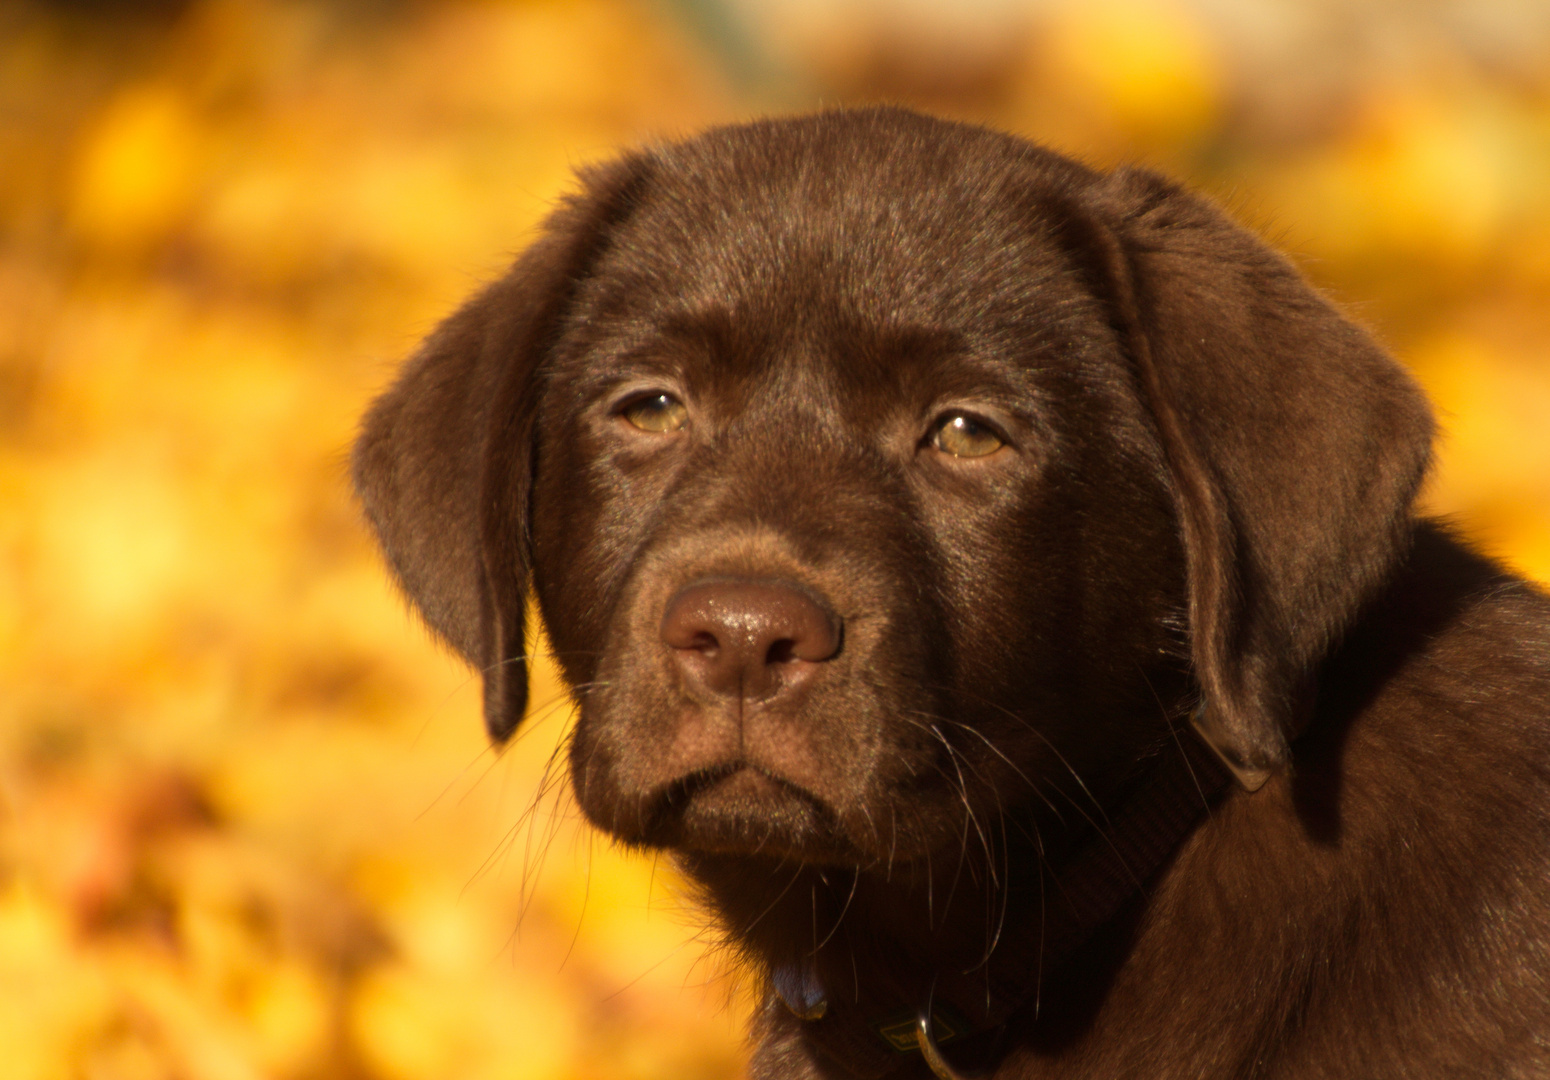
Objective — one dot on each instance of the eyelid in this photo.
(622, 397)
(644, 407)
(992, 420)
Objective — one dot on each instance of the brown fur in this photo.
(1204, 498)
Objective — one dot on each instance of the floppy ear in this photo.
(1295, 445)
(443, 460)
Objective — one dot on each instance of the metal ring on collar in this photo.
(929, 1050)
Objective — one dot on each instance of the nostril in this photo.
(690, 627)
(783, 651)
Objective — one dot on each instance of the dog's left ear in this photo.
(1295, 446)
(443, 460)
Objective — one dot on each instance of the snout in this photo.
(748, 640)
(753, 699)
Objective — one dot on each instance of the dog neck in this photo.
(873, 990)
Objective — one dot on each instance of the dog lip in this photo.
(751, 777)
(728, 807)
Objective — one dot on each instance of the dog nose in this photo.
(751, 639)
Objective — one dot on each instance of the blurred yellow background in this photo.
(249, 827)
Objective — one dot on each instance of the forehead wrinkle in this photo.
(806, 384)
(710, 232)
(799, 279)
(778, 228)
(792, 392)
(803, 251)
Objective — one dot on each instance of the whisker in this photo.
(586, 897)
(1034, 730)
(778, 897)
(955, 757)
(1173, 731)
(855, 881)
(1106, 829)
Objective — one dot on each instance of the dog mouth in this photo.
(740, 808)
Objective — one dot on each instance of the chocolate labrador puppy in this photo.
(997, 582)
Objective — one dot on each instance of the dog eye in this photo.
(962, 435)
(660, 413)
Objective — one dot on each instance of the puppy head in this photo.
(874, 472)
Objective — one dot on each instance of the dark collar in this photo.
(1150, 820)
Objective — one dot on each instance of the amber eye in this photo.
(961, 435)
(660, 413)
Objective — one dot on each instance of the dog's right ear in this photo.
(443, 460)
